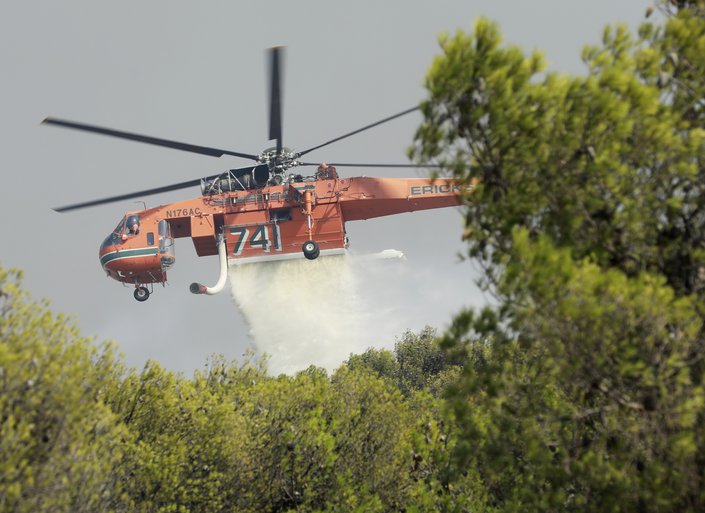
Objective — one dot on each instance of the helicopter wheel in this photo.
(311, 250)
(141, 294)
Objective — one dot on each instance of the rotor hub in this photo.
(279, 162)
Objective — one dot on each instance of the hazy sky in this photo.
(195, 72)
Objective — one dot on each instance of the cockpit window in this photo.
(133, 224)
(114, 237)
(121, 225)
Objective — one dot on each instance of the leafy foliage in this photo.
(584, 387)
(608, 164)
(417, 363)
(81, 432)
(59, 442)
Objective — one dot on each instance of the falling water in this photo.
(302, 312)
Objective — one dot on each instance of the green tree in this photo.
(586, 399)
(584, 387)
(315, 443)
(417, 363)
(608, 164)
(289, 443)
(189, 451)
(60, 445)
(373, 440)
(82, 432)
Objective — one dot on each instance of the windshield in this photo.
(114, 237)
(120, 226)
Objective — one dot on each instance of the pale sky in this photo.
(195, 72)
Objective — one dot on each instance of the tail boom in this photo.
(367, 198)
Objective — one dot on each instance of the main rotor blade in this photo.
(346, 164)
(147, 192)
(275, 113)
(407, 111)
(203, 150)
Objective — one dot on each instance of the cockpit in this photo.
(133, 254)
(127, 227)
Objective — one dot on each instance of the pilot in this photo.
(133, 225)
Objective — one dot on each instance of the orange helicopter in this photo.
(257, 213)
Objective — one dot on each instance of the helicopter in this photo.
(262, 212)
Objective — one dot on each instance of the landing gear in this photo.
(141, 294)
(311, 250)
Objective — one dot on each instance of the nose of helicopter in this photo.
(107, 248)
